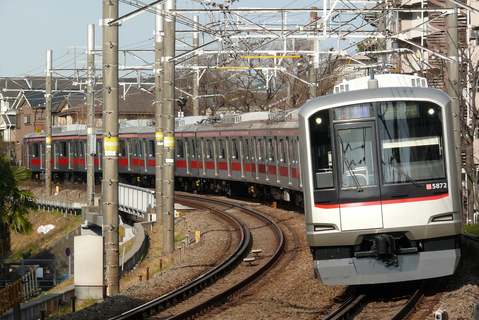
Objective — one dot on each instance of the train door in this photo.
(100, 153)
(129, 151)
(56, 152)
(203, 154)
(228, 156)
(42, 155)
(256, 156)
(215, 155)
(187, 153)
(71, 153)
(241, 154)
(358, 176)
(144, 151)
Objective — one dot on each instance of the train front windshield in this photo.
(409, 142)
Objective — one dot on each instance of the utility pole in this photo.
(48, 124)
(313, 69)
(90, 157)
(453, 81)
(110, 146)
(196, 92)
(159, 111)
(169, 133)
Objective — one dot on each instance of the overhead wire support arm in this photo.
(134, 13)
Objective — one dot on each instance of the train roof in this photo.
(383, 80)
(376, 95)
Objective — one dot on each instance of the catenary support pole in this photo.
(196, 81)
(91, 141)
(48, 124)
(169, 131)
(159, 21)
(453, 89)
(110, 146)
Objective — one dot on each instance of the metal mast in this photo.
(110, 145)
(196, 93)
(169, 126)
(90, 117)
(453, 79)
(159, 111)
(48, 124)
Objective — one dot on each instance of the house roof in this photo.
(132, 100)
(8, 121)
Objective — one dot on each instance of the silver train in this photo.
(382, 200)
(373, 168)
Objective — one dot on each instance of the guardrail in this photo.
(135, 200)
(131, 199)
(19, 291)
(63, 206)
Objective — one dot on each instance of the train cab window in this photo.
(356, 158)
(234, 144)
(180, 149)
(411, 141)
(321, 151)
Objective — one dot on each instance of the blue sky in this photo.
(31, 27)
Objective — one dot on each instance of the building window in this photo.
(26, 119)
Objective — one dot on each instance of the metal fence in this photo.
(49, 272)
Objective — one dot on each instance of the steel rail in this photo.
(182, 293)
(344, 310)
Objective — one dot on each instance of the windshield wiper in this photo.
(348, 165)
(404, 173)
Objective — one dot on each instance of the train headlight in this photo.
(431, 111)
(447, 217)
(323, 227)
(319, 120)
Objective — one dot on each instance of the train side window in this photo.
(222, 154)
(321, 151)
(63, 148)
(209, 148)
(36, 150)
(193, 148)
(141, 148)
(271, 150)
(259, 149)
(122, 150)
(282, 150)
(234, 144)
(151, 148)
(81, 148)
(246, 149)
(180, 149)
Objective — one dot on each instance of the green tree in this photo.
(15, 204)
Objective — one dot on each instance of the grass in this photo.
(26, 245)
(472, 229)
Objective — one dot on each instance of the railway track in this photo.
(208, 291)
